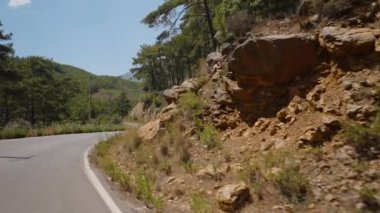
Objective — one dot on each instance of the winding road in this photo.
(51, 175)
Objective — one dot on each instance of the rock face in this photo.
(270, 60)
(213, 58)
(149, 130)
(152, 128)
(172, 95)
(142, 111)
(232, 196)
(345, 42)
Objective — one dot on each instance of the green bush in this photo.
(143, 188)
(368, 197)
(210, 136)
(292, 184)
(190, 102)
(253, 174)
(152, 99)
(365, 140)
(116, 174)
(13, 133)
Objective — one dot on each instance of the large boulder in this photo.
(173, 94)
(345, 42)
(150, 130)
(270, 60)
(214, 58)
(142, 111)
(231, 197)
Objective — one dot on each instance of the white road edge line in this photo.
(97, 185)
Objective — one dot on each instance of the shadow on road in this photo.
(16, 157)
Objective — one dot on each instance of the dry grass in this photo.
(278, 169)
(57, 129)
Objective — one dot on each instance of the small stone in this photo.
(358, 187)
(360, 206)
(311, 206)
(313, 136)
(282, 116)
(170, 179)
(352, 110)
(372, 174)
(347, 85)
(330, 121)
(274, 171)
(285, 208)
(343, 157)
(266, 146)
(207, 173)
(233, 196)
(329, 197)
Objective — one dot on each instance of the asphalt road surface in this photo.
(48, 175)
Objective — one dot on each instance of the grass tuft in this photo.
(143, 187)
(199, 204)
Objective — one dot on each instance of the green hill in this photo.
(102, 86)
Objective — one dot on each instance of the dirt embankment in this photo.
(283, 123)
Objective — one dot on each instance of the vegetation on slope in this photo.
(36, 93)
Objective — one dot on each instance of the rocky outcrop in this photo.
(173, 94)
(232, 196)
(150, 130)
(270, 60)
(142, 111)
(214, 58)
(346, 42)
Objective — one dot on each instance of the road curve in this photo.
(47, 175)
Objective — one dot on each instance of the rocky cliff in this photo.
(284, 106)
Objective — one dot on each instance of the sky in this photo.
(100, 36)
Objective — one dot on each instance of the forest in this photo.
(194, 28)
(37, 92)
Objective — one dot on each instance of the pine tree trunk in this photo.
(209, 22)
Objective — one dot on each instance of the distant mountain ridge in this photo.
(129, 76)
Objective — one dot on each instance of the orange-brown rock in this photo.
(150, 130)
(270, 60)
(232, 196)
(346, 42)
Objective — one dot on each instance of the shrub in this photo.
(134, 139)
(199, 204)
(18, 124)
(191, 103)
(152, 99)
(116, 174)
(292, 184)
(143, 188)
(252, 174)
(203, 79)
(315, 152)
(366, 141)
(368, 197)
(210, 136)
(189, 167)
